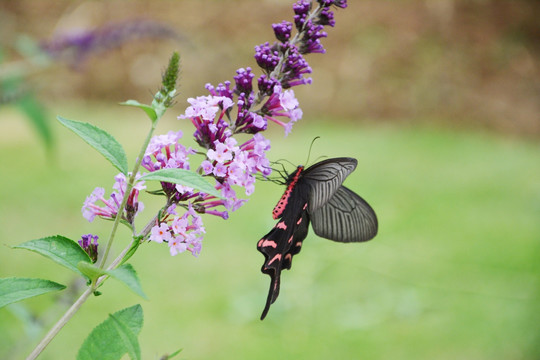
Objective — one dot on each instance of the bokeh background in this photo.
(438, 100)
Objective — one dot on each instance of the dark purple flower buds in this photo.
(267, 57)
(89, 243)
(266, 84)
(243, 80)
(283, 30)
(301, 10)
(339, 3)
(326, 18)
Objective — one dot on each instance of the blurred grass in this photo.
(453, 273)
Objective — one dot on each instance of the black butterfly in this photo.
(336, 213)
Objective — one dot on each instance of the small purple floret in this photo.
(89, 243)
(266, 56)
(283, 30)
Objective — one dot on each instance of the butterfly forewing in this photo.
(325, 178)
(346, 217)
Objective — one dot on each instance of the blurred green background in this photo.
(438, 101)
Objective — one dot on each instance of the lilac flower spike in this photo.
(74, 48)
(231, 110)
(283, 65)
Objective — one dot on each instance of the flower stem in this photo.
(86, 294)
(74, 308)
(129, 186)
(60, 324)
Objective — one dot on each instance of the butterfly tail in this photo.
(273, 293)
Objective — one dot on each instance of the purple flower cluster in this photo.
(237, 165)
(229, 111)
(166, 152)
(283, 66)
(227, 162)
(76, 47)
(181, 233)
(110, 206)
(283, 60)
(89, 243)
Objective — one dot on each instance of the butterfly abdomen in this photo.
(282, 203)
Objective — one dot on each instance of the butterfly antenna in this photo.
(279, 161)
(310, 146)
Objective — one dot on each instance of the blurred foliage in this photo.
(469, 63)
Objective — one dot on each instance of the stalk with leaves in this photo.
(232, 154)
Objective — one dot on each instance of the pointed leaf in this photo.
(167, 357)
(134, 246)
(90, 270)
(60, 249)
(105, 342)
(182, 177)
(100, 140)
(129, 339)
(126, 274)
(146, 108)
(16, 289)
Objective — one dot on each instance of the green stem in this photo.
(73, 309)
(86, 294)
(131, 181)
(60, 324)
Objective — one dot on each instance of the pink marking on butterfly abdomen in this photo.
(282, 203)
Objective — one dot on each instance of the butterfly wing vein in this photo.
(346, 217)
(325, 178)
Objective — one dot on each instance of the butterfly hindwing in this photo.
(346, 217)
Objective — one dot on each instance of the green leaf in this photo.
(100, 140)
(62, 250)
(105, 341)
(167, 357)
(149, 110)
(37, 115)
(134, 246)
(126, 274)
(16, 289)
(182, 177)
(90, 270)
(128, 338)
(159, 107)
